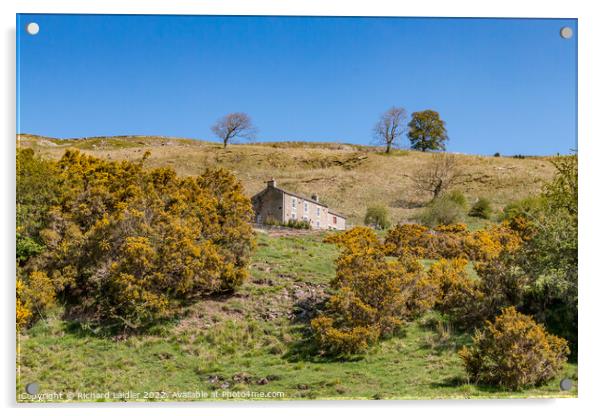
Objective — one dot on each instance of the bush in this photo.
(514, 352)
(34, 296)
(502, 284)
(298, 224)
(481, 209)
(377, 217)
(27, 247)
(373, 296)
(528, 208)
(22, 311)
(126, 246)
(448, 241)
(355, 340)
(442, 211)
(407, 240)
(459, 295)
(37, 192)
(272, 221)
(457, 197)
(451, 241)
(491, 242)
(496, 154)
(355, 239)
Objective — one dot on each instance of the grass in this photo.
(253, 341)
(348, 178)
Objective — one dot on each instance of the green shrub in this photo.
(272, 221)
(37, 192)
(481, 209)
(527, 207)
(291, 223)
(442, 211)
(298, 224)
(27, 247)
(457, 197)
(377, 217)
(514, 352)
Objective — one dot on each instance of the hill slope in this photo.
(255, 340)
(347, 177)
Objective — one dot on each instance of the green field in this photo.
(255, 341)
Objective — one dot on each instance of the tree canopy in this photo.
(427, 131)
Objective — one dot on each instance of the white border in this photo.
(590, 149)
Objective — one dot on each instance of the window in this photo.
(334, 219)
(294, 215)
(317, 224)
(294, 202)
(305, 206)
(305, 218)
(318, 211)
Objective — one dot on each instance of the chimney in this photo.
(272, 183)
(315, 197)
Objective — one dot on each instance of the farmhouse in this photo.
(276, 204)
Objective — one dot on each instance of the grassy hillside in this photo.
(253, 341)
(347, 177)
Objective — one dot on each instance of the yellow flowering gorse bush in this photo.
(125, 245)
(514, 352)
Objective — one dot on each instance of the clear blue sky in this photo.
(502, 85)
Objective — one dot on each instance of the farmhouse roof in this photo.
(338, 214)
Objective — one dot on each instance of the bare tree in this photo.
(390, 127)
(232, 126)
(438, 175)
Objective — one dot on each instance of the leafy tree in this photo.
(232, 126)
(377, 217)
(550, 255)
(390, 127)
(427, 131)
(562, 192)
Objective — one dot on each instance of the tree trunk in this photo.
(437, 189)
